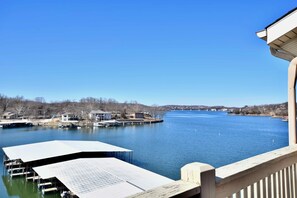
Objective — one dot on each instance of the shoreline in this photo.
(260, 115)
(55, 123)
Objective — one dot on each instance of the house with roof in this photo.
(69, 117)
(99, 115)
(9, 115)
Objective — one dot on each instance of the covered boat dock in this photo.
(101, 177)
(19, 160)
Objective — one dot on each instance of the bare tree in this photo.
(156, 111)
(20, 105)
(4, 103)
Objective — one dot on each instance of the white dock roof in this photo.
(102, 177)
(56, 148)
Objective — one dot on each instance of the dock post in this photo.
(4, 159)
(203, 174)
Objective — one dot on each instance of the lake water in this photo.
(184, 137)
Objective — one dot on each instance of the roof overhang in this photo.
(281, 36)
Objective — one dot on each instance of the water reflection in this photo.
(23, 189)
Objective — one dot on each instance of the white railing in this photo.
(269, 175)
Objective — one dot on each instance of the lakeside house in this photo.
(137, 115)
(9, 115)
(69, 117)
(99, 115)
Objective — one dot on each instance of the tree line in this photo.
(39, 108)
(271, 110)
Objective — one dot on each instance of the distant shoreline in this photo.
(12, 123)
(261, 115)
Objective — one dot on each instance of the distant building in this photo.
(139, 115)
(136, 116)
(99, 115)
(9, 115)
(68, 117)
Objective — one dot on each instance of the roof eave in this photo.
(262, 34)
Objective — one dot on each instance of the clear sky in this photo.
(154, 52)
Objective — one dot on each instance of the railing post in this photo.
(202, 174)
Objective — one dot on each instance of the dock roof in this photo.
(57, 148)
(101, 177)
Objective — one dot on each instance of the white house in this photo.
(99, 115)
(68, 117)
(9, 115)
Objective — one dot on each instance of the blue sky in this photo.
(154, 52)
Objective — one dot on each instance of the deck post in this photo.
(203, 174)
(292, 101)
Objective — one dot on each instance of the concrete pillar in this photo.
(201, 174)
(292, 101)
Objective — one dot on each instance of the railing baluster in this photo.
(274, 185)
(295, 180)
(238, 194)
(269, 186)
(245, 192)
(287, 176)
(291, 181)
(283, 186)
(279, 184)
(258, 189)
(252, 191)
(264, 187)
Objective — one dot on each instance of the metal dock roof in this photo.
(56, 148)
(101, 177)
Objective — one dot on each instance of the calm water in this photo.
(186, 136)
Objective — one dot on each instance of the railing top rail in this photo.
(245, 167)
(175, 189)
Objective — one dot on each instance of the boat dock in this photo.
(42, 153)
(101, 177)
(124, 122)
(15, 124)
(80, 169)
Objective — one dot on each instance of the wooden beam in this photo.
(292, 101)
(177, 189)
